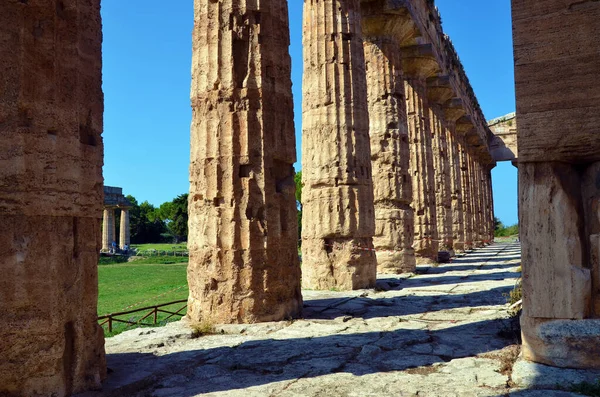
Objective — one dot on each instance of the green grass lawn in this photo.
(124, 284)
(160, 247)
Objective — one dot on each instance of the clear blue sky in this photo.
(147, 56)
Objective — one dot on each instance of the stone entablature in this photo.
(113, 197)
(504, 142)
(417, 28)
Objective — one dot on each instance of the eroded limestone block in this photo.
(591, 205)
(50, 341)
(244, 265)
(562, 343)
(556, 283)
(338, 213)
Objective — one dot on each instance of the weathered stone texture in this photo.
(243, 228)
(559, 178)
(338, 213)
(467, 194)
(458, 219)
(394, 217)
(108, 228)
(504, 145)
(559, 226)
(124, 231)
(50, 197)
(442, 179)
(556, 79)
(421, 169)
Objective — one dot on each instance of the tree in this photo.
(174, 214)
(145, 226)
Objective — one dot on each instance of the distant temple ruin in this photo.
(113, 200)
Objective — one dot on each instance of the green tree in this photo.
(175, 216)
(145, 226)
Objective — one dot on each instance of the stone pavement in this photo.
(442, 332)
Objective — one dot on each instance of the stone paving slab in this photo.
(444, 331)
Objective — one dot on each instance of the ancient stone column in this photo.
(560, 228)
(491, 222)
(458, 221)
(338, 214)
(394, 217)
(108, 228)
(421, 169)
(558, 108)
(467, 194)
(475, 200)
(488, 214)
(480, 202)
(442, 178)
(124, 236)
(51, 149)
(244, 264)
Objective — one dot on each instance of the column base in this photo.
(562, 343)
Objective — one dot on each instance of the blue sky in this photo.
(147, 60)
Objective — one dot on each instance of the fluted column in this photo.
(467, 193)
(491, 223)
(108, 228)
(474, 199)
(244, 263)
(478, 202)
(442, 178)
(421, 169)
(51, 150)
(124, 236)
(458, 219)
(338, 214)
(394, 217)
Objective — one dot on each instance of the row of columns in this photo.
(108, 228)
(389, 178)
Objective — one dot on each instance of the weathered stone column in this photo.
(421, 169)
(491, 222)
(338, 214)
(477, 202)
(442, 177)
(243, 234)
(394, 217)
(467, 193)
(50, 197)
(108, 228)
(560, 229)
(558, 108)
(458, 220)
(489, 207)
(474, 198)
(124, 236)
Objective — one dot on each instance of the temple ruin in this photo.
(396, 164)
(113, 201)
